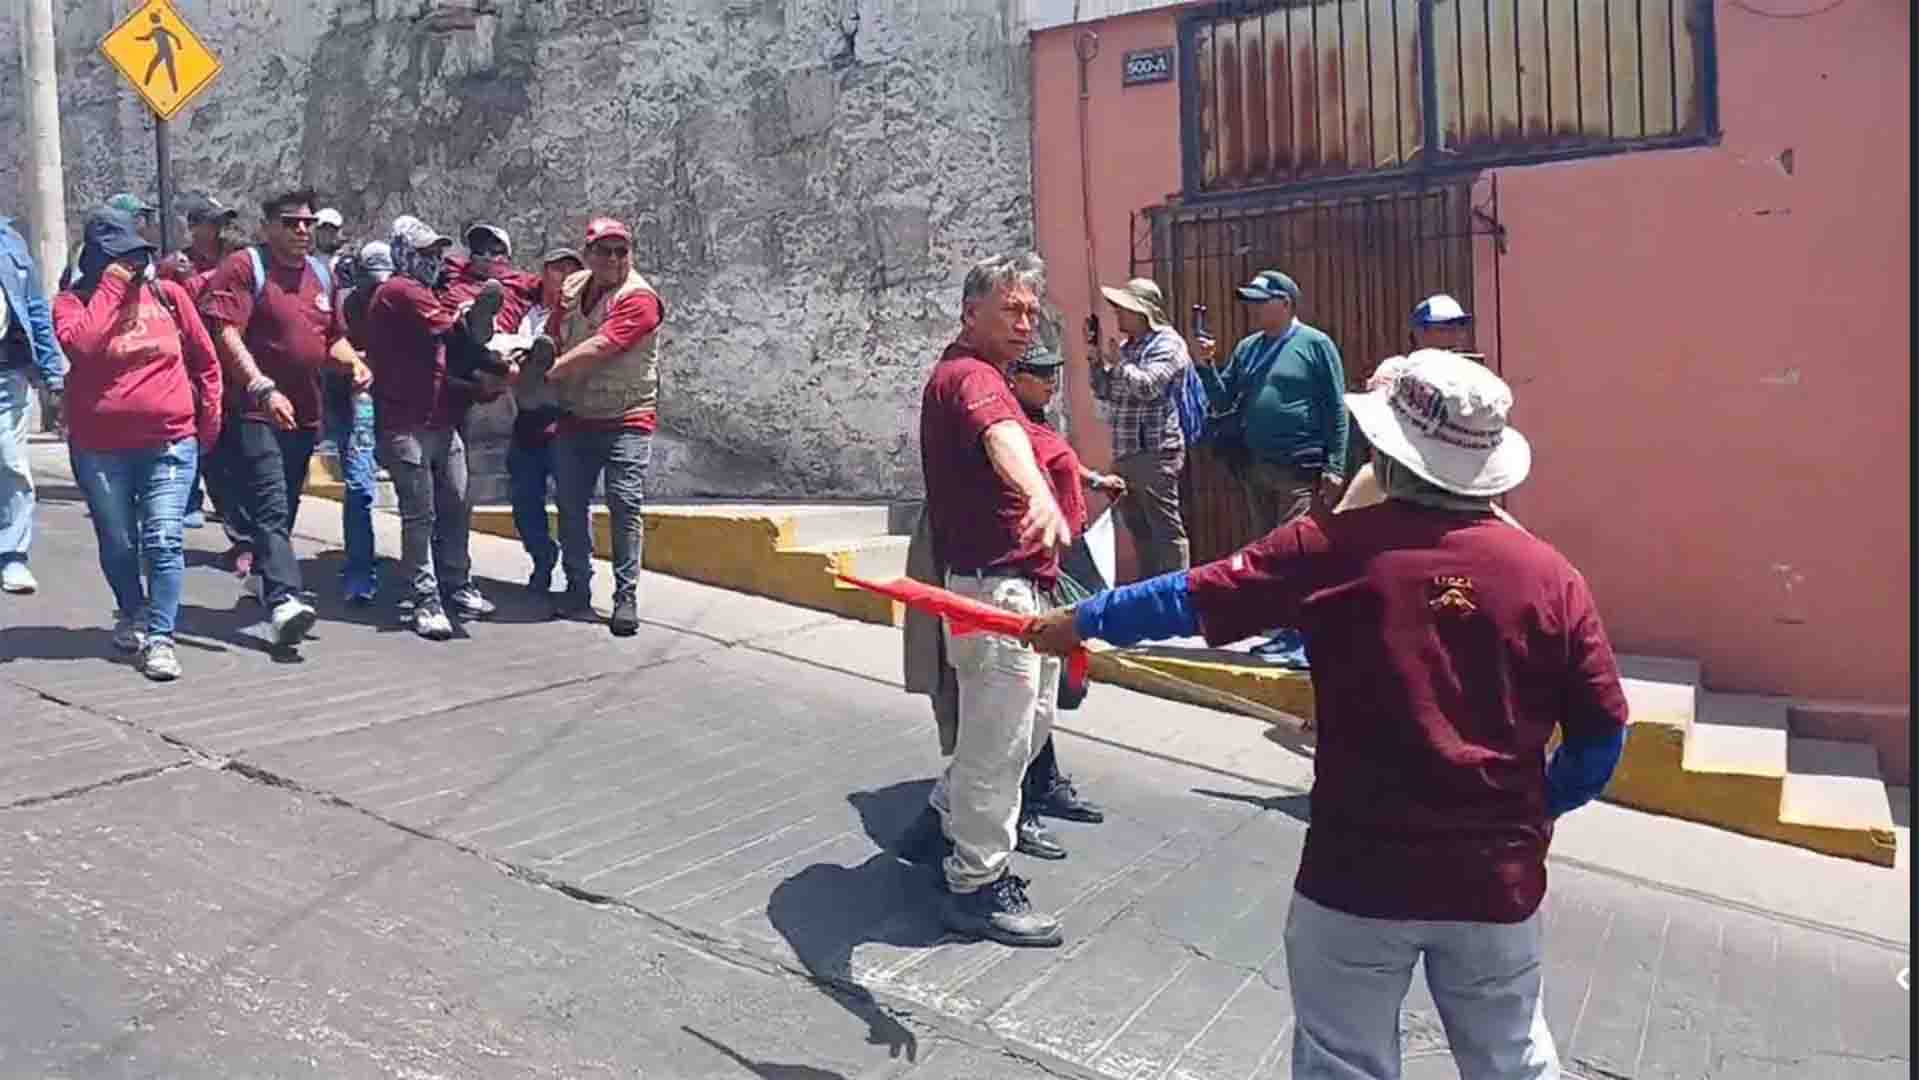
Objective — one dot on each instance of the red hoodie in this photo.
(143, 372)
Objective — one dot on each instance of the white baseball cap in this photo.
(1440, 309)
(329, 216)
(1444, 417)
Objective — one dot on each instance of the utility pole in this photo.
(46, 191)
(46, 183)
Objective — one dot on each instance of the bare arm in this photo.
(1011, 453)
(236, 360)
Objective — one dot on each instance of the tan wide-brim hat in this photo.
(1444, 417)
(1140, 296)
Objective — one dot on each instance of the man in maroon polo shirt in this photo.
(996, 527)
(409, 323)
(1447, 645)
(271, 311)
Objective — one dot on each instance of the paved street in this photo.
(541, 851)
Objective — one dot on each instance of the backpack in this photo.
(314, 262)
(1190, 405)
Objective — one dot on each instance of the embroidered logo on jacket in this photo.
(1451, 596)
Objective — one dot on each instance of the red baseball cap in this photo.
(602, 227)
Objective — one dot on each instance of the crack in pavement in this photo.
(712, 945)
(75, 792)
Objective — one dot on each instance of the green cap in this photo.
(131, 204)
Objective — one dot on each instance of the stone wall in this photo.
(807, 179)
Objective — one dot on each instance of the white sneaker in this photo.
(130, 632)
(430, 621)
(158, 661)
(292, 618)
(16, 578)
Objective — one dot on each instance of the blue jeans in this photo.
(350, 427)
(16, 481)
(137, 498)
(578, 461)
(528, 469)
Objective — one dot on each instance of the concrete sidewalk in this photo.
(538, 850)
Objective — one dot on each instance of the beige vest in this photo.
(621, 385)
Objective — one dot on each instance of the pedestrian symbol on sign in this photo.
(163, 43)
(164, 61)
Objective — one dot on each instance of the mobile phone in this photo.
(1093, 330)
(1200, 321)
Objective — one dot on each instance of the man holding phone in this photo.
(1282, 393)
(274, 326)
(1137, 377)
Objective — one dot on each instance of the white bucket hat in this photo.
(1445, 418)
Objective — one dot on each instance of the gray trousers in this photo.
(429, 470)
(1277, 494)
(1151, 509)
(1349, 976)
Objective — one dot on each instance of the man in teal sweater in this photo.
(1286, 385)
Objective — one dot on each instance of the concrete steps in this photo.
(1733, 760)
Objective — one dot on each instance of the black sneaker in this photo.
(1035, 840)
(1062, 800)
(626, 618)
(540, 356)
(573, 604)
(1000, 912)
(480, 315)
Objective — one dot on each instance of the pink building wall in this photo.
(1710, 348)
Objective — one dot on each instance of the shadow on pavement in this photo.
(827, 911)
(766, 1070)
(1294, 806)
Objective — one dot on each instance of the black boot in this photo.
(1000, 912)
(1036, 840)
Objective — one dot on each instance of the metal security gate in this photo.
(1362, 262)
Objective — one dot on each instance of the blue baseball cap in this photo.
(1270, 285)
(1440, 310)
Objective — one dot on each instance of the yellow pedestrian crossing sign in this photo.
(161, 56)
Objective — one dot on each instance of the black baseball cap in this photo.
(1039, 360)
(205, 208)
(115, 233)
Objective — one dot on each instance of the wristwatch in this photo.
(261, 389)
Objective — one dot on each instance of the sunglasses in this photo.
(1049, 374)
(607, 251)
(297, 221)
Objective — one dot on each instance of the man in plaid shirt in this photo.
(1136, 379)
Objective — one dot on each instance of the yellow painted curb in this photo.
(739, 551)
(747, 552)
(1289, 692)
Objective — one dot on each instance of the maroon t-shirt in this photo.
(975, 512)
(288, 329)
(1445, 648)
(404, 322)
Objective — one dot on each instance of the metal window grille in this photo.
(1296, 92)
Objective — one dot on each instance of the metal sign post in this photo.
(163, 166)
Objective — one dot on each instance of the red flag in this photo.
(963, 615)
